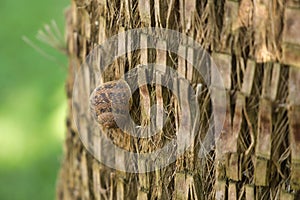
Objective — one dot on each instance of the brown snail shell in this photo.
(109, 103)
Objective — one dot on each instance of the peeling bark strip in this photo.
(187, 9)
(255, 45)
(291, 37)
(145, 14)
(228, 33)
(294, 123)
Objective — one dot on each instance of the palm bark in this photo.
(256, 45)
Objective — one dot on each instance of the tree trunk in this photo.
(256, 48)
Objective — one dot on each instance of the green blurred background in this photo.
(33, 103)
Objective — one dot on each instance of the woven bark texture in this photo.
(256, 46)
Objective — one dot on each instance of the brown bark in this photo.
(256, 46)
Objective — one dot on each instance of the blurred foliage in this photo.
(33, 103)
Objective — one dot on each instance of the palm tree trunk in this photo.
(256, 47)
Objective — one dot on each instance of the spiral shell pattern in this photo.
(109, 103)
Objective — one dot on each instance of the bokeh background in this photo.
(32, 101)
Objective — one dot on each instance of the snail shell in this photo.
(109, 103)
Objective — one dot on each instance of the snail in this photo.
(109, 103)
